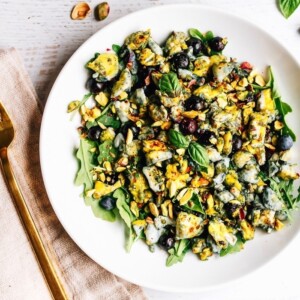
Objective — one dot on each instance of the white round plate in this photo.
(104, 241)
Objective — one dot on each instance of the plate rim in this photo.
(41, 143)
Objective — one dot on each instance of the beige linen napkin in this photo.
(20, 277)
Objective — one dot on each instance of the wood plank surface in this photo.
(46, 37)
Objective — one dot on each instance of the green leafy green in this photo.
(195, 204)
(169, 84)
(177, 253)
(123, 207)
(283, 188)
(100, 212)
(282, 107)
(198, 154)
(178, 139)
(209, 35)
(116, 48)
(238, 246)
(86, 160)
(107, 152)
(195, 33)
(109, 121)
(127, 216)
(287, 7)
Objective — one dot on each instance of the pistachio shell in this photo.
(80, 11)
(102, 11)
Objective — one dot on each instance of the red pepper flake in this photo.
(242, 214)
(246, 66)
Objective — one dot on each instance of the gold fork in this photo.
(6, 137)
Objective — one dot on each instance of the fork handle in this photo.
(54, 284)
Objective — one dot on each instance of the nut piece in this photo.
(102, 11)
(80, 11)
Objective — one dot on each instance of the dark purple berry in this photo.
(94, 86)
(166, 241)
(236, 143)
(194, 103)
(130, 125)
(94, 133)
(108, 203)
(188, 126)
(217, 44)
(284, 142)
(196, 44)
(180, 60)
(205, 137)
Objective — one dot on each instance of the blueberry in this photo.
(205, 136)
(236, 142)
(180, 60)
(284, 142)
(130, 125)
(94, 133)
(217, 44)
(188, 126)
(194, 103)
(167, 241)
(108, 202)
(196, 44)
(94, 86)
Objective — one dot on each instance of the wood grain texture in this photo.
(46, 37)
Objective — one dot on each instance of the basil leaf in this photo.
(107, 152)
(177, 139)
(177, 253)
(116, 48)
(209, 35)
(195, 33)
(198, 154)
(287, 7)
(195, 204)
(85, 158)
(169, 84)
(238, 246)
(109, 121)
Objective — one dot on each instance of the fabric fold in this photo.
(20, 277)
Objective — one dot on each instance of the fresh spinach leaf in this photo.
(238, 246)
(198, 154)
(195, 204)
(177, 139)
(116, 48)
(177, 253)
(109, 121)
(169, 84)
(85, 158)
(195, 33)
(287, 7)
(107, 152)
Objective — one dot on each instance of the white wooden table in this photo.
(46, 37)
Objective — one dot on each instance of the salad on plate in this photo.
(189, 147)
